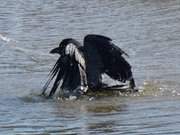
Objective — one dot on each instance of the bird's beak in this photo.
(55, 50)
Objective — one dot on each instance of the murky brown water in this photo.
(148, 30)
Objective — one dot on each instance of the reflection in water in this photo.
(106, 111)
(87, 115)
(102, 127)
(101, 109)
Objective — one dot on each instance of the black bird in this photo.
(80, 68)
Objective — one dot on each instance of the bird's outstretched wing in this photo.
(69, 69)
(58, 72)
(108, 57)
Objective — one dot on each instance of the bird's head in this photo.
(60, 49)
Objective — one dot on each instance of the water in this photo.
(148, 30)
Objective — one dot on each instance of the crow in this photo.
(80, 67)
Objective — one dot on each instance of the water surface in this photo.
(148, 30)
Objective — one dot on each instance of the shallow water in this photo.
(148, 30)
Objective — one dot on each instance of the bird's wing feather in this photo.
(94, 64)
(54, 71)
(72, 55)
(114, 64)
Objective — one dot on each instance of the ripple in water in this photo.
(147, 30)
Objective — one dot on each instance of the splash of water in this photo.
(33, 55)
(6, 39)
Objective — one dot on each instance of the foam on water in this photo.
(4, 38)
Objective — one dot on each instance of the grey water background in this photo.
(148, 30)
